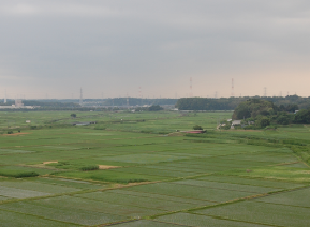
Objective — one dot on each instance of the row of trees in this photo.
(289, 103)
(207, 104)
(151, 108)
(132, 102)
(254, 107)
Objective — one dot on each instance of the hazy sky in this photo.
(110, 48)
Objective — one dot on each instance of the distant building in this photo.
(19, 104)
(235, 123)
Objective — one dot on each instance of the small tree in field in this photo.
(73, 115)
(197, 127)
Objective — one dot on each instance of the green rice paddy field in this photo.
(136, 169)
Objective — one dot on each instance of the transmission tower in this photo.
(81, 97)
(232, 88)
(128, 101)
(140, 95)
(191, 88)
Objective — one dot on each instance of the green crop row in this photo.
(17, 174)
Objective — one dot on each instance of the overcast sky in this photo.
(110, 48)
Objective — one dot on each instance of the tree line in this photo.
(265, 113)
(287, 103)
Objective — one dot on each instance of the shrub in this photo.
(63, 164)
(305, 156)
(127, 181)
(284, 119)
(136, 180)
(18, 174)
(163, 132)
(155, 108)
(146, 131)
(197, 127)
(250, 127)
(271, 127)
(226, 127)
(85, 168)
(262, 122)
(26, 174)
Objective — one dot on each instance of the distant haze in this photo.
(51, 48)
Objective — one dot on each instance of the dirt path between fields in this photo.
(16, 134)
(108, 167)
(45, 163)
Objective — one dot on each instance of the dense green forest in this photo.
(265, 113)
(289, 102)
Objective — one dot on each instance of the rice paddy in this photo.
(137, 169)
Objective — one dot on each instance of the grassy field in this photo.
(136, 169)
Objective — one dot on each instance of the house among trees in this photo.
(235, 123)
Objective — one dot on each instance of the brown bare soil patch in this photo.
(175, 134)
(17, 134)
(142, 183)
(45, 163)
(108, 167)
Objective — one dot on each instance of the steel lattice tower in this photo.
(81, 97)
